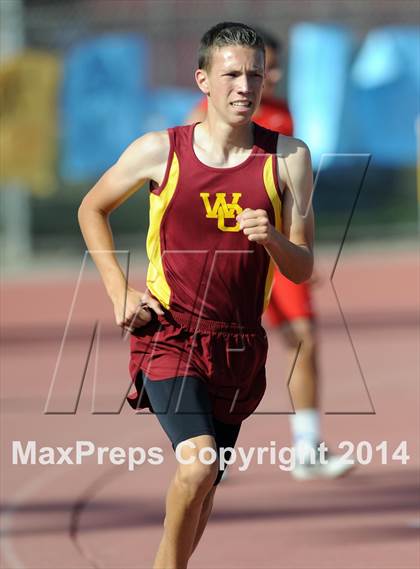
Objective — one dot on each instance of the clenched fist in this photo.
(134, 309)
(255, 225)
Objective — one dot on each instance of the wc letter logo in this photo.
(221, 210)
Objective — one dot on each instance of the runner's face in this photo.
(235, 82)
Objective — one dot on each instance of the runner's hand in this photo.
(255, 225)
(137, 306)
(148, 301)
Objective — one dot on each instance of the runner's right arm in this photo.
(145, 159)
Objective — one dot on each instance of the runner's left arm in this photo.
(292, 248)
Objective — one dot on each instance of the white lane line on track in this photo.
(79, 506)
(17, 501)
(6, 522)
(83, 501)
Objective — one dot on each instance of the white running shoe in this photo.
(333, 467)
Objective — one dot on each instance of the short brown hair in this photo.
(227, 33)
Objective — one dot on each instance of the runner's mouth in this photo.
(241, 104)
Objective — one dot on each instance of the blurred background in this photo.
(81, 79)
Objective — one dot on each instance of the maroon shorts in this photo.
(229, 357)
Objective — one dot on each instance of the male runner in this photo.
(223, 210)
(290, 308)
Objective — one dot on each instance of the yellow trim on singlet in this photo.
(156, 280)
(270, 188)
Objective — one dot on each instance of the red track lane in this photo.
(90, 515)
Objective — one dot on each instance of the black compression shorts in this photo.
(183, 408)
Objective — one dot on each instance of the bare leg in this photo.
(204, 516)
(184, 505)
(304, 390)
(304, 383)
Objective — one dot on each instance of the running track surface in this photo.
(90, 515)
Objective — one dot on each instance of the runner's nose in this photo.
(243, 87)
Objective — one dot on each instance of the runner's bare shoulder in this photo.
(146, 157)
(289, 146)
